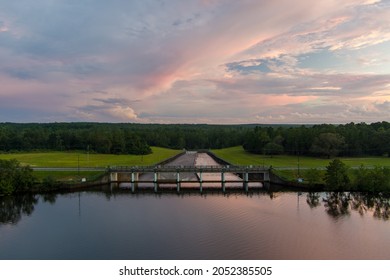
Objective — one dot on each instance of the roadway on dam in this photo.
(190, 179)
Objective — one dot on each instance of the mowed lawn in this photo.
(237, 155)
(82, 159)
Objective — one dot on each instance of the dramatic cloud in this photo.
(273, 61)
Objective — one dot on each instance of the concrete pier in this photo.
(178, 181)
(200, 181)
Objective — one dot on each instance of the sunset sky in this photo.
(195, 61)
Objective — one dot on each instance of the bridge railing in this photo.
(183, 168)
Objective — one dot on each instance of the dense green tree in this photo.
(372, 179)
(14, 178)
(381, 140)
(328, 144)
(361, 178)
(336, 175)
(272, 148)
(24, 179)
(380, 179)
(312, 176)
(257, 140)
(353, 141)
(118, 142)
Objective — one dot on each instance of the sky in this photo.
(195, 61)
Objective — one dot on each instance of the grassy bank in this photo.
(287, 166)
(67, 176)
(237, 155)
(82, 159)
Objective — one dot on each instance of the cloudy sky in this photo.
(195, 61)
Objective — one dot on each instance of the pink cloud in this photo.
(172, 58)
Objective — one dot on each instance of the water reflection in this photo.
(381, 206)
(49, 197)
(313, 200)
(12, 208)
(116, 224)
(338, 204)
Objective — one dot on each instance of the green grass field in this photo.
(237, 155)
(67, 176)
(287, 166)
(82, 159)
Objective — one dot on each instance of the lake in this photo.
(116, 224)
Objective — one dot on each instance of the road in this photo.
(71, 169)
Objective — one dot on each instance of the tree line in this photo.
(324, 140)
(339, 177)
(321, 140)
(112, 138)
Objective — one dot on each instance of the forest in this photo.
(325, 140)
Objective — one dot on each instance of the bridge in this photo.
(164, 176)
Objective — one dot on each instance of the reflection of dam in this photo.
(190, 170)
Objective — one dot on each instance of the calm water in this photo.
(105, 225)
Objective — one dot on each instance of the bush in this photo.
(14, 178)
(49, 183)
(313, 176)
(336, 176)
(372, 180)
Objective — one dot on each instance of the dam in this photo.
(190, 170)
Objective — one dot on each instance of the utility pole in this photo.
(88, 154)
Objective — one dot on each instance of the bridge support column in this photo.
(201, 181)
(223, 181)
(113, 180)
(246, 181)
(178, 181)
(155, 181)
(266, 176)
(134, 178)
(113, 177)
(132, 182)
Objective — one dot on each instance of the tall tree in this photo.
(328, 144)
(14, 178)
(336, 176)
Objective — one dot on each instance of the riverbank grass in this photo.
(293, 167)
(84, 159)
(237, 155)
(67, 176)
